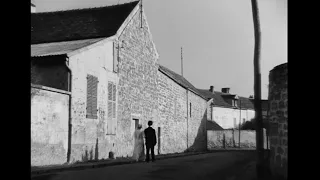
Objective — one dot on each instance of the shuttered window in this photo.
(112, 112)
(92, 100)
(115, 56)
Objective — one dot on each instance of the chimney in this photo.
(225, 90)
(33, 6)
(211, 89)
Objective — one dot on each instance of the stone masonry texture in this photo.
(49, 127)
(278, 99)
(137, 88)
(218, 139)
(173, 115)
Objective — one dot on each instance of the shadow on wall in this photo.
(88, 156)
(200, 142)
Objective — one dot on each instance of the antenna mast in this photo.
(181, 62)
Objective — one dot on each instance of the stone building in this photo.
(98, 76)
(226, 109)
(278, 115)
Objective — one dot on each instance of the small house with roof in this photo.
(230, 110)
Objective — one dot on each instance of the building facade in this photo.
(229, 110)
(113, 81)
(98, 76)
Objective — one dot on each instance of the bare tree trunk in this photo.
(257, 89)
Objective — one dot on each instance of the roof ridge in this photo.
(86, 9)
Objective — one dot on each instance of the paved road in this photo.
(219, 165)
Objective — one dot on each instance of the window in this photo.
(111, 123)
(92, 100)
(115, 56)
(190, 109)
(234, 103)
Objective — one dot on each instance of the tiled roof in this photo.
(59, 48)
(212, 125)
(219, 99)
(180, 80)
(78, 24)
(246, 103)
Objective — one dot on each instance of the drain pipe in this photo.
(70, 119)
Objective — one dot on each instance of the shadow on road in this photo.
(44, 177)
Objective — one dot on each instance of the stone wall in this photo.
(218, 139)
(49, 127)
(173, 115)
(278, 116)
(138, 90)
(197, 119)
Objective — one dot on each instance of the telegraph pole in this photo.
(239, 121)
(257, 89)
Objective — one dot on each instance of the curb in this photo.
(121, 162)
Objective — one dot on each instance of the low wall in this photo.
(220, 139)
(49, 127)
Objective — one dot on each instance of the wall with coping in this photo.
(49, 127)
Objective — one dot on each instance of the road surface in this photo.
(214, 166)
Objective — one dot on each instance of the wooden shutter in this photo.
(109, 100)
(92, 99)
(115, 56)
(89, 96)
(110, 108)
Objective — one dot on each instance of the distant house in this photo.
(230, 110)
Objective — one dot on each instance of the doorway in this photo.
(136, 123)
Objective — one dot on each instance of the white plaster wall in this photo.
(97, 61)
(49, 127)
(225, 116)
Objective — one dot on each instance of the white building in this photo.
(229, 110)
(33, 6)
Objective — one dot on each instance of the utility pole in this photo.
(257, 89)
(181, 63)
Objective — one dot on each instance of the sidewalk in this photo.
(113, 162)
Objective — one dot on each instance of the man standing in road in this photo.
(151, 141)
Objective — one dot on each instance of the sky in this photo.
(217, 37)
